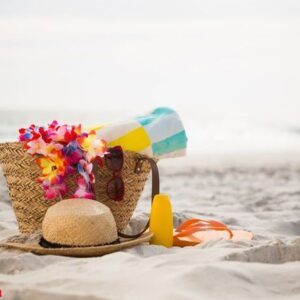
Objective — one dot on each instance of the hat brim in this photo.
(79, 251)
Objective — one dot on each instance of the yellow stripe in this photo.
(96, 128)
(135, 140)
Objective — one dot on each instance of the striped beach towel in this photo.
(157, 134)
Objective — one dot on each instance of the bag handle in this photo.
(155, 191)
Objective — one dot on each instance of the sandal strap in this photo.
(183, 243)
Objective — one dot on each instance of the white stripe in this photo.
(164, 127)
(114, 131)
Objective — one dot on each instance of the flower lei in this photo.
(64, 150)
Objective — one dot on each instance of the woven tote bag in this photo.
(21, 171)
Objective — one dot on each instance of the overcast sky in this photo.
(137, 54)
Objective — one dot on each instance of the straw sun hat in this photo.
(75, 227)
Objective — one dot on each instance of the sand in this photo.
(261, 195)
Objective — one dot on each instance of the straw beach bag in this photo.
(21, 171)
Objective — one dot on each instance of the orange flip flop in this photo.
(195, 231)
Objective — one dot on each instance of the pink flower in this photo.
(85, 169)
(82, 191)
(65, 133)
(39, 146)
(54, 191)
(25, 135)
(62, 150)
(36, 146)
(73, 152)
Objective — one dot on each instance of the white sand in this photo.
(262, 195)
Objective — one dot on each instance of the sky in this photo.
(230, 68)
(206, 57)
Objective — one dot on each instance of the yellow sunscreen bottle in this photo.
(161, 221)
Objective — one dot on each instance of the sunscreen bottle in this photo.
(161, 221)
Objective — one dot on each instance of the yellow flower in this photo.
(92, 146)
(52, 168)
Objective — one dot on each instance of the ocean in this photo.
(208, 132)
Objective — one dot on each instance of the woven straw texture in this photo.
(21, 171)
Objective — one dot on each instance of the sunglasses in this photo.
(114, 160)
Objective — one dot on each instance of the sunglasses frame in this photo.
(114, 173)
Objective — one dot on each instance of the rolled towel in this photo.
(159, 134)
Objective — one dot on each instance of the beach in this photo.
(230, 69)
(258, 193)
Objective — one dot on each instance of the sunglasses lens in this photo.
(114, 159)
(115, 188)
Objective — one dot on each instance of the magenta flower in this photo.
(63, 150)
(54, 191)
(82, 190)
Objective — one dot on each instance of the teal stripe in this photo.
(170, 144)
(147, 119)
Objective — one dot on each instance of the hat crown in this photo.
(79, 222)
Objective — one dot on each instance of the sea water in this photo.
(208, 132)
